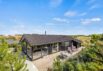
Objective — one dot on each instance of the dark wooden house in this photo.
(36, 46)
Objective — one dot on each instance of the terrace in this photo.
(47, 61)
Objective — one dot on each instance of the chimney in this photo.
(45, 32)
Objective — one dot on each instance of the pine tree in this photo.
(10, 61)
(57, 65)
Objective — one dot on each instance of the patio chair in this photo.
(74, 48)
(63, 55)
(69, 50)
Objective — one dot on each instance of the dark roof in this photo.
(35, 39)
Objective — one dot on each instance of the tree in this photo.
(95, 38)
(10, 61)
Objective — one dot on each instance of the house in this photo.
(36, 46)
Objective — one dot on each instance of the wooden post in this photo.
(41, 52)
(65, 46)
(26, 47)
(71, 44)
(22, 48)
(57, 46)
(31, 53)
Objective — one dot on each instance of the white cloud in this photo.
(18, 28)
(90, 1)
(94, 6)
(70, 13)
(83, 14)
(90, 21)
(55, 3)
(96, 19)
(25, 29)
(21, 27)
(58, 21)
(50, 24)
(74, 13)
(61, 20)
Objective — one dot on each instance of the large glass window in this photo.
(44, 50)
(37, 52)
(66, 44)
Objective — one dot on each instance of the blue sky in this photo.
(66, 17)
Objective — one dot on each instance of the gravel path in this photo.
(30, 66)
(43, 63)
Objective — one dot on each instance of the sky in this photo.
(66, 17)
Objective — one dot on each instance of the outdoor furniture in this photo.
(69, 50)
(74, 48)
(63, 55)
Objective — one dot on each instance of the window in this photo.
(66, 43)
